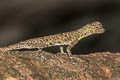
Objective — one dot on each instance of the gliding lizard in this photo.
(68, 38)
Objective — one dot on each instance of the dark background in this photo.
(26, 19)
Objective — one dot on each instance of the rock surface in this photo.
(33, 65)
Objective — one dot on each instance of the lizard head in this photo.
(95, 27)
(89, 29)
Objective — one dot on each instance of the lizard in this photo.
(70, 39)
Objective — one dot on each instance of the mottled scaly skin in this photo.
(68, 38)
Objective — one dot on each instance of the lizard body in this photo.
(68, 38)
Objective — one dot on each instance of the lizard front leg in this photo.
(70, 46)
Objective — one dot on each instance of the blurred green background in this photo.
(25, 19)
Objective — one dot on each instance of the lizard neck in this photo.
(81, 33)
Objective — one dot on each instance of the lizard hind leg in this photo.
(61, 49)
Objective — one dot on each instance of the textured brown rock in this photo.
(33, 65)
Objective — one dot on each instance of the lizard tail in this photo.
(9, 48)
(4, 49)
